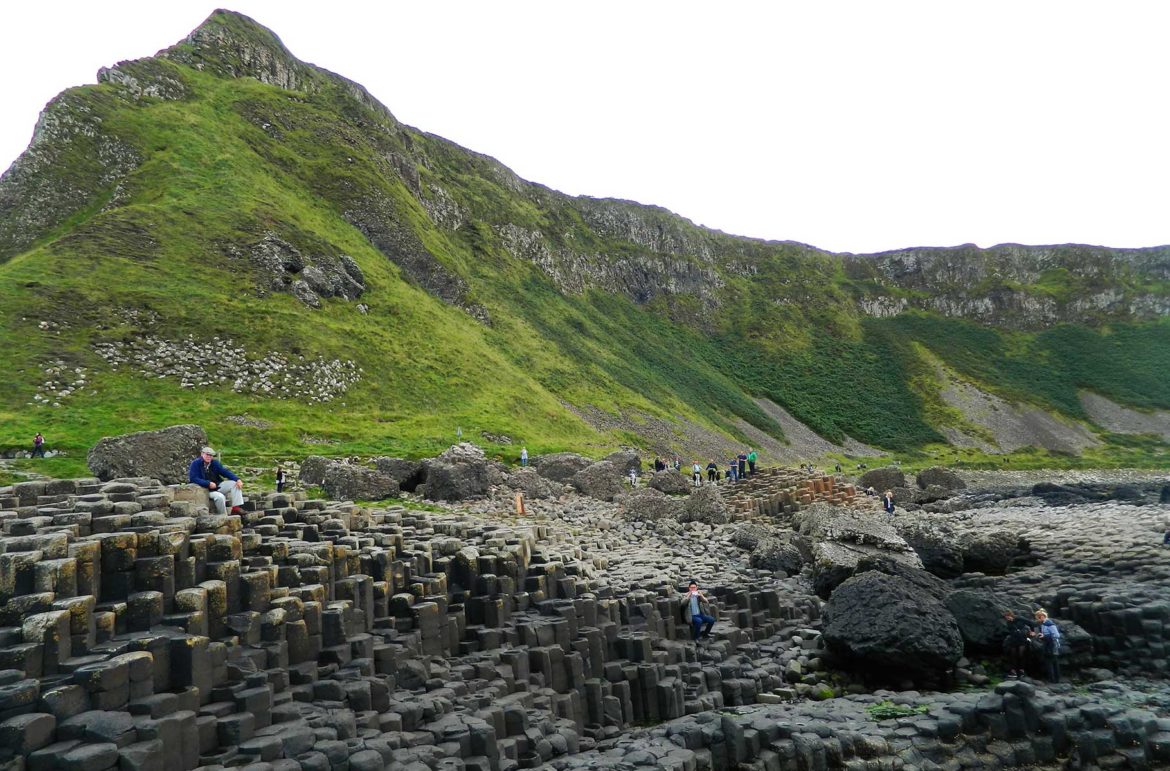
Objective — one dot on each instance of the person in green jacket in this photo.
(752, 462)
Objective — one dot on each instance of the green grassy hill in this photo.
(226, 236)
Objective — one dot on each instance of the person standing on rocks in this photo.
(732, 471)
(218, 480)
(697, 611)
(523, 456)
(279, 479)
(888, 502)
(696, 474)
(1015, 642)
(712, 471)
(742, 458)
(1049, 633)
(752, 457)
(38, 445)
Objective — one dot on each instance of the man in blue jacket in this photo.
(210, 474)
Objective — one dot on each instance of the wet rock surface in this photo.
(137, 630)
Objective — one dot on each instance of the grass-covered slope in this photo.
(161, 238)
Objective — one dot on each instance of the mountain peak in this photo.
(234, 45)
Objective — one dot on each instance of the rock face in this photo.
(936, 544)
(309, 278)
(992, 552)
(882, 479)
(163, 455)
(560, 466)
(346, 482)
(778, 554)
(884, 625)
(670, 482)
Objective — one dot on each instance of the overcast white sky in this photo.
(853, 126)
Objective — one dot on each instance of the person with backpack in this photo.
(696, 474)
(1015, 642)
(1049, 635)
(712, 472)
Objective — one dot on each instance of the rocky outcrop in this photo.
(313, 470)
(409, 474)
(310, 278)
(601, 480)
(937, 476)
(164, 455)
(670, 482)
(888, 627)
(979, 614)
(935, 543)
(993, 552)
(705, 505)
(533, 485)
(840, 538)
(645, 504)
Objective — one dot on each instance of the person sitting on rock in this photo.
(888, 502)
(697, 611)
(1015, 642)
(220, 482)
(1049, 633)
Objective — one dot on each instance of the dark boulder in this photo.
(778, 554)
(601, 480)
(648, 505)
(840, 537)
(533, 485)
(625, 461)
(979, 614)
(937, 476)
(705, 505)
(560, 466)
(345, 482)
(164, 454)
(882, 479)
(313, 469)
(888, 627)
(922, 580)
(670, 482)
(460, 481)
(408, 473)
(992, 552)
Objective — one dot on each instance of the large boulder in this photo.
(533, 485)
(921, 579)
(670, 482)
(779, 554)
(625, 461)
(408, 473)
(164, 454)
(993, 551)
(345, 482)
(601, 480)
(882, 479)
(705, 505)
(461, 481)
(979, 614)
(841, 537)
(935, 543)
(560, 466)
(645, 504)
(313, 470)
(937, 476)
(888, 627)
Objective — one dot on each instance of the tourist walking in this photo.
(279, 479)
(38, 446)
(219, 481)
(1015, 642)
(697, 611)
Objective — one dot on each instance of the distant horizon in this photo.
(851, 129)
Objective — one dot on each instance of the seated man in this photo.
(209, 473)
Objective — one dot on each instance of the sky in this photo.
(852, 126)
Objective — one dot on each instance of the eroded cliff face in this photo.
(1016, 286)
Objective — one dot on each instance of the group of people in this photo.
(739, 467)
(1040, 639)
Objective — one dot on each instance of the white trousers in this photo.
(232, 488)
